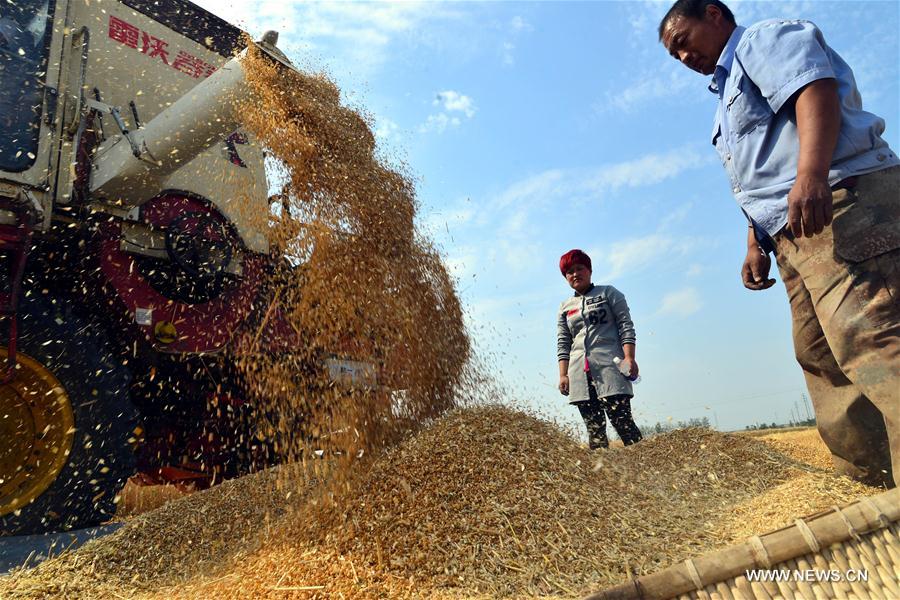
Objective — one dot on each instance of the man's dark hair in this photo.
(694, 9)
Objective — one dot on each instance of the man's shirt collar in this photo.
(723, 65)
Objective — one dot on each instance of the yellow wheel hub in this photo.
(37, 428)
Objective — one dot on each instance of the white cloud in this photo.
(649, 88)
(513, 251)
(516, 216)
(747, 12)
(515, 225)
(385, 129)
(646, 170)
(640, 23)
(681, 303)
(355, 35)
(645, 16)
(695, 270)
(870, 69)
(535, 187)
(439, 123)
(455, 102)
(678, 215)
(629, 256)
(593, 183)
(463, 261)
(439, 222)
(519, 24)
(508, 53)
(455, 105)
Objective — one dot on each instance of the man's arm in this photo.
(818, 111)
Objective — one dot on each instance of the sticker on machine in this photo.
(143, 316)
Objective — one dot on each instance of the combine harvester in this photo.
(133, 227)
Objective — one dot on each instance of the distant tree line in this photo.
(792, 423)
(669, 425)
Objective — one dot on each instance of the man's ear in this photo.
(713, 13)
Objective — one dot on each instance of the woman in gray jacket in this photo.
(594, 327)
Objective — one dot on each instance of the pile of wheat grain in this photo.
(196, 534)
(804, 445)
(485, 502)
(494, 502)
(804, 493)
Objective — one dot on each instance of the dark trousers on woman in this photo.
(619, 410)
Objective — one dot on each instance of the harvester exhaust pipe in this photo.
(127, 166)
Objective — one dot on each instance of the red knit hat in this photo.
(573, 257)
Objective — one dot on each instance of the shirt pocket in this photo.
(574, 321)
(745, 108)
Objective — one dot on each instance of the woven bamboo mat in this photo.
(849, 552)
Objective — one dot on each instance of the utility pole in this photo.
(806, 405)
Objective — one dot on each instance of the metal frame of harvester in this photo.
(133, 219)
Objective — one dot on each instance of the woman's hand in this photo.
(632, 366)
(564, 385)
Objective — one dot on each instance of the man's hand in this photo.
(564, 385)
(755, 272)
(809, 206)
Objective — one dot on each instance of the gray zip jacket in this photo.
(595, 324)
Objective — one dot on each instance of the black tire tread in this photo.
(79, 354)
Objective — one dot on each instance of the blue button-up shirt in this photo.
(755, 130)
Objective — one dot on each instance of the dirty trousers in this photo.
(844, 290)
(618, 408)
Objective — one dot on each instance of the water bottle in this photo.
(624, 370)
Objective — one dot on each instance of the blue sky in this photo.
(533, 128)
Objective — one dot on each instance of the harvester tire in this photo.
(96, 382)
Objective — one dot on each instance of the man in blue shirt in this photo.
(821, 189)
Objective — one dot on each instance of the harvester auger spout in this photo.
(199, 120)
